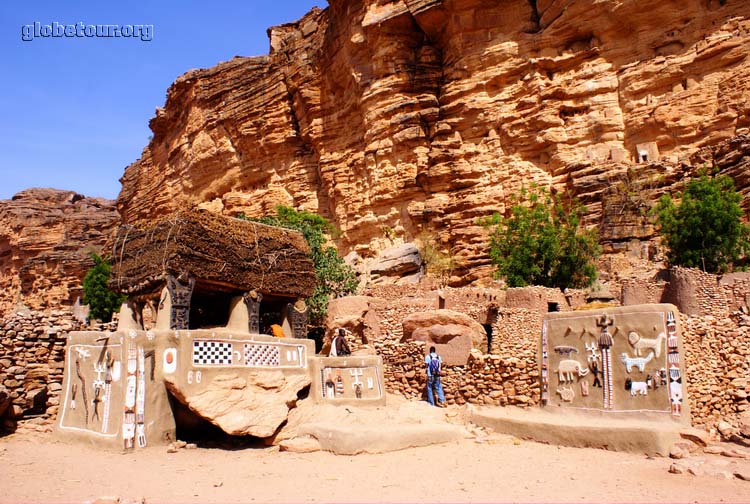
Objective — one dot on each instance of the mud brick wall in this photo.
(641, 291)
(692, 291)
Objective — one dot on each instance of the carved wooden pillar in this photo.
(180, 292)
(252, 301)
(297, 314)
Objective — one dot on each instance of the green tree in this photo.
(704, 230)
(335, 277)
(96, 293)
(540, 242)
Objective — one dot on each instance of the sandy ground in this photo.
(35, 467)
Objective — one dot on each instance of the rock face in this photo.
(46, 236)
(255, 407)
(392, 117)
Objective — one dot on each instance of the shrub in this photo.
(96, 293)
(704, 230)
(334, 277)
(438, 264)
(540, 243)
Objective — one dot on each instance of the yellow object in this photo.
(277, 331)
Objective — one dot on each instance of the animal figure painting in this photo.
(639, 362)
(639, 344)
(567, 367)
(636, 348)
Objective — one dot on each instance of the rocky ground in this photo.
(482, 468)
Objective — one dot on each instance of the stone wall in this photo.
(32, 355)
(693, 291)
(506, 376)
(717, 353)
(717, 349)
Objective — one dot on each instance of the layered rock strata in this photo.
(391, 117)
(46, 236)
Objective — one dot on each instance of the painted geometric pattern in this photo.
(217, 353)
(261, 355)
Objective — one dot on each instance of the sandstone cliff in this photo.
(395, 116)
(46, 236)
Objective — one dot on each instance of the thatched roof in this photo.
(218, 251)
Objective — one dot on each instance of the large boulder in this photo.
(453, 334)
(397, 261)
(355, 314)
(256, 405)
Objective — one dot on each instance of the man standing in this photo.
(434, 365)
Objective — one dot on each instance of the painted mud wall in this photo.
(113, 392)
(620, 360)
(348, 380)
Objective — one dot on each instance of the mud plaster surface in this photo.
(497, 470)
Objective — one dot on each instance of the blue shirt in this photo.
(429, 357)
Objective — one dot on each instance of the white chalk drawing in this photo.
(567, 394)
(100, 368)
(116, 371)
(83, 354)
(169, 361)
(370, 383)
(140, 412)
(356, 384)
(639, 344)
(605, 343)
(130, 392)
(128, 430)
(593, 352)
(128, 424)
(675, 397)
(567, 367)
(636, 387)
(639, 362)
(198, 376)
(584, 388)
(190, 377)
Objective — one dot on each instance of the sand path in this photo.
(38, 468)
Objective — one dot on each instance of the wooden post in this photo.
(298, 318)
(252, 301)
(180, 293)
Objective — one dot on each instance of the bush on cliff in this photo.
(335, 277)
(96, 293)
(540, 242)
(704, 230)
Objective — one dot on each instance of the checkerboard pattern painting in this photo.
(261, 355)
(212, 353)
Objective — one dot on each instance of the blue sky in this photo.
(75, 111)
